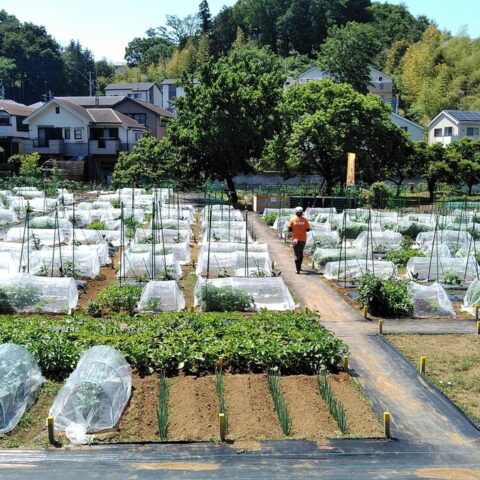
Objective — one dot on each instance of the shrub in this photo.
(120, 297)
(97, 225)
(401, 257)
(377, 196)
(270, 218)
(29, 165)
(93, 309)
(352, 230)
(225, 299)
(388, 298)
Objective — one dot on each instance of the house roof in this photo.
(108, 115)
(135, 87)
(103, 101)
(396, 115)
(464, 116)
(14, 108)
(80, 111)
(154, 108)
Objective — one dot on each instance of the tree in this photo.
(104, 73)
(78, 65)
(465, 155)
(205, 17)
(347, 54)
(145, 51)
(223, 122)
(179, 30)
(149, 163)
(321, 122)
(29, 165)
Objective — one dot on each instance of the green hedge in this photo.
(294, 342)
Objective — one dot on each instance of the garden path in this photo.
(420, 414)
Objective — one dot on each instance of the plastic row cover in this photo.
(379, 241)
(161, 297)
(25, 293)
(454, 239)
(42, 236)
(228, 247)
(235, 264)
(317, 239)
(430, 301)
(443, 270)
(96, 393)
(165, 235)
(354, 269)
(322, 256)
(141, 265)
(472, 297)
(20, 381)
(182, 251)
(269, 293)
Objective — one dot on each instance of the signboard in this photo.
(351, 170)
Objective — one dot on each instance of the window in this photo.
(472, 132)
(437, 132)
(141, 118)
(172, 92)
(447, 131)
(130, 95)
(77, 133)
(4, 120)
(380, 79)
(137, 95)
(57, 110)
(138, 136)
(21, 127)
(66, 133)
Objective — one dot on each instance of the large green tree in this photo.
(323, 121)
(151, 49)
(348, 52)
(465, 155)
(223, 122)
(79, 67)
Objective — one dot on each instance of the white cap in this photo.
(298, 210)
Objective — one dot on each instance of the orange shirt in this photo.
(299, 226)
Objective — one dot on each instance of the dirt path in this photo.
(419, 413)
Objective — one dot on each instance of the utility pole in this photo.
(90, 83)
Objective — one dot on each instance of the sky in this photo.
(106, 26)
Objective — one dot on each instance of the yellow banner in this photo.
(351, 170)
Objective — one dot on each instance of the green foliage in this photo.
(335, 407)
(281, 407)
(352, 230)
(378, 195)
(29, 166)
(270, 218)
(451, 278)
(389, 298)
(295, 342)
(18, 297)
(120, 297)
(401, 257)
(97, 225)
(220, 389)
(225, 299)
(162, 409)
(93, 309)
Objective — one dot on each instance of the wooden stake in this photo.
(365, 312)
(422, 364)
(51, 430)
(380, 327)
(386, 424)
(478, 328)
(345, 363)
(221, 419)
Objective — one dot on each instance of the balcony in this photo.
(44, 147)
(104, 147)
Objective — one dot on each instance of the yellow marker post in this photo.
(422, 364)
(386, 424)
(380, 327)
(221, 419)
(51, 430)
(345, 363)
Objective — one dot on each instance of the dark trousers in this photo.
(298, 254)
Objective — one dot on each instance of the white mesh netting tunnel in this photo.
(96, 392)
(430, 301)
(161, 297)
(20, 381)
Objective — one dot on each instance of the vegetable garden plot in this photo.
(88, 237)
(436, 250)
(43, 204)
(430, 301)
(379, 241)
(25, 293)
(472, 297)
(234, 264)
(228, 215)
(354, 269)
(322, 256)
(229, 247)
(65, 263)
(81, 218)
(312, 212)
(454, 271)
(182, 250)
(454, 239)
(161, 297)
(96, 393)
(142, 266)
(235, 232)
(40, 236)
(322, 240)
(468, 248)
(166, 235)
(20, 381)
(352, 230)
(112, 236)
(269, 293)
(412, 229)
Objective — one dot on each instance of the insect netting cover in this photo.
(430, 301)
(472, 297)
(228, 215)
(146, 235)
(161, 297)
(227, 232)
(227, 247)
(454, 271)
(182, 250)
(81, 218)
(101, 250)
(42, 204)
(9, 262)
(142, 266)
(322, 256)
(312, 212)
(412, 229)
(322, 240)
(96, 392)
(379, 241)
(454, 239)
(284, 212)
(48, 222)
(7, 217)
(270, 293)
(20, 381)
(436, 250)
(354, 269)
(468, 248)
(37, 235)
(87, 237)
(232, 264)
(94, 205)
(112, 236)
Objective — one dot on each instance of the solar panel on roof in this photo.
(465, 116)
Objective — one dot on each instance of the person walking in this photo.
(298, 226)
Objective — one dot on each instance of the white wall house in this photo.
(63, 129)
(451, 125)
(171, 90)
(147, 91)
(413, 129)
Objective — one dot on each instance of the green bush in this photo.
(97, 225)
(401, 257)
(352, 230)
(388, 298)
(120, 297)
(377, 196)
(270, 218)
(225, 299)
(294, 342)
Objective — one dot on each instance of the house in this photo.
(381, 84)
(153, 117)
(413, 129)
(451, 125)
(145, 91)
(12, 128)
